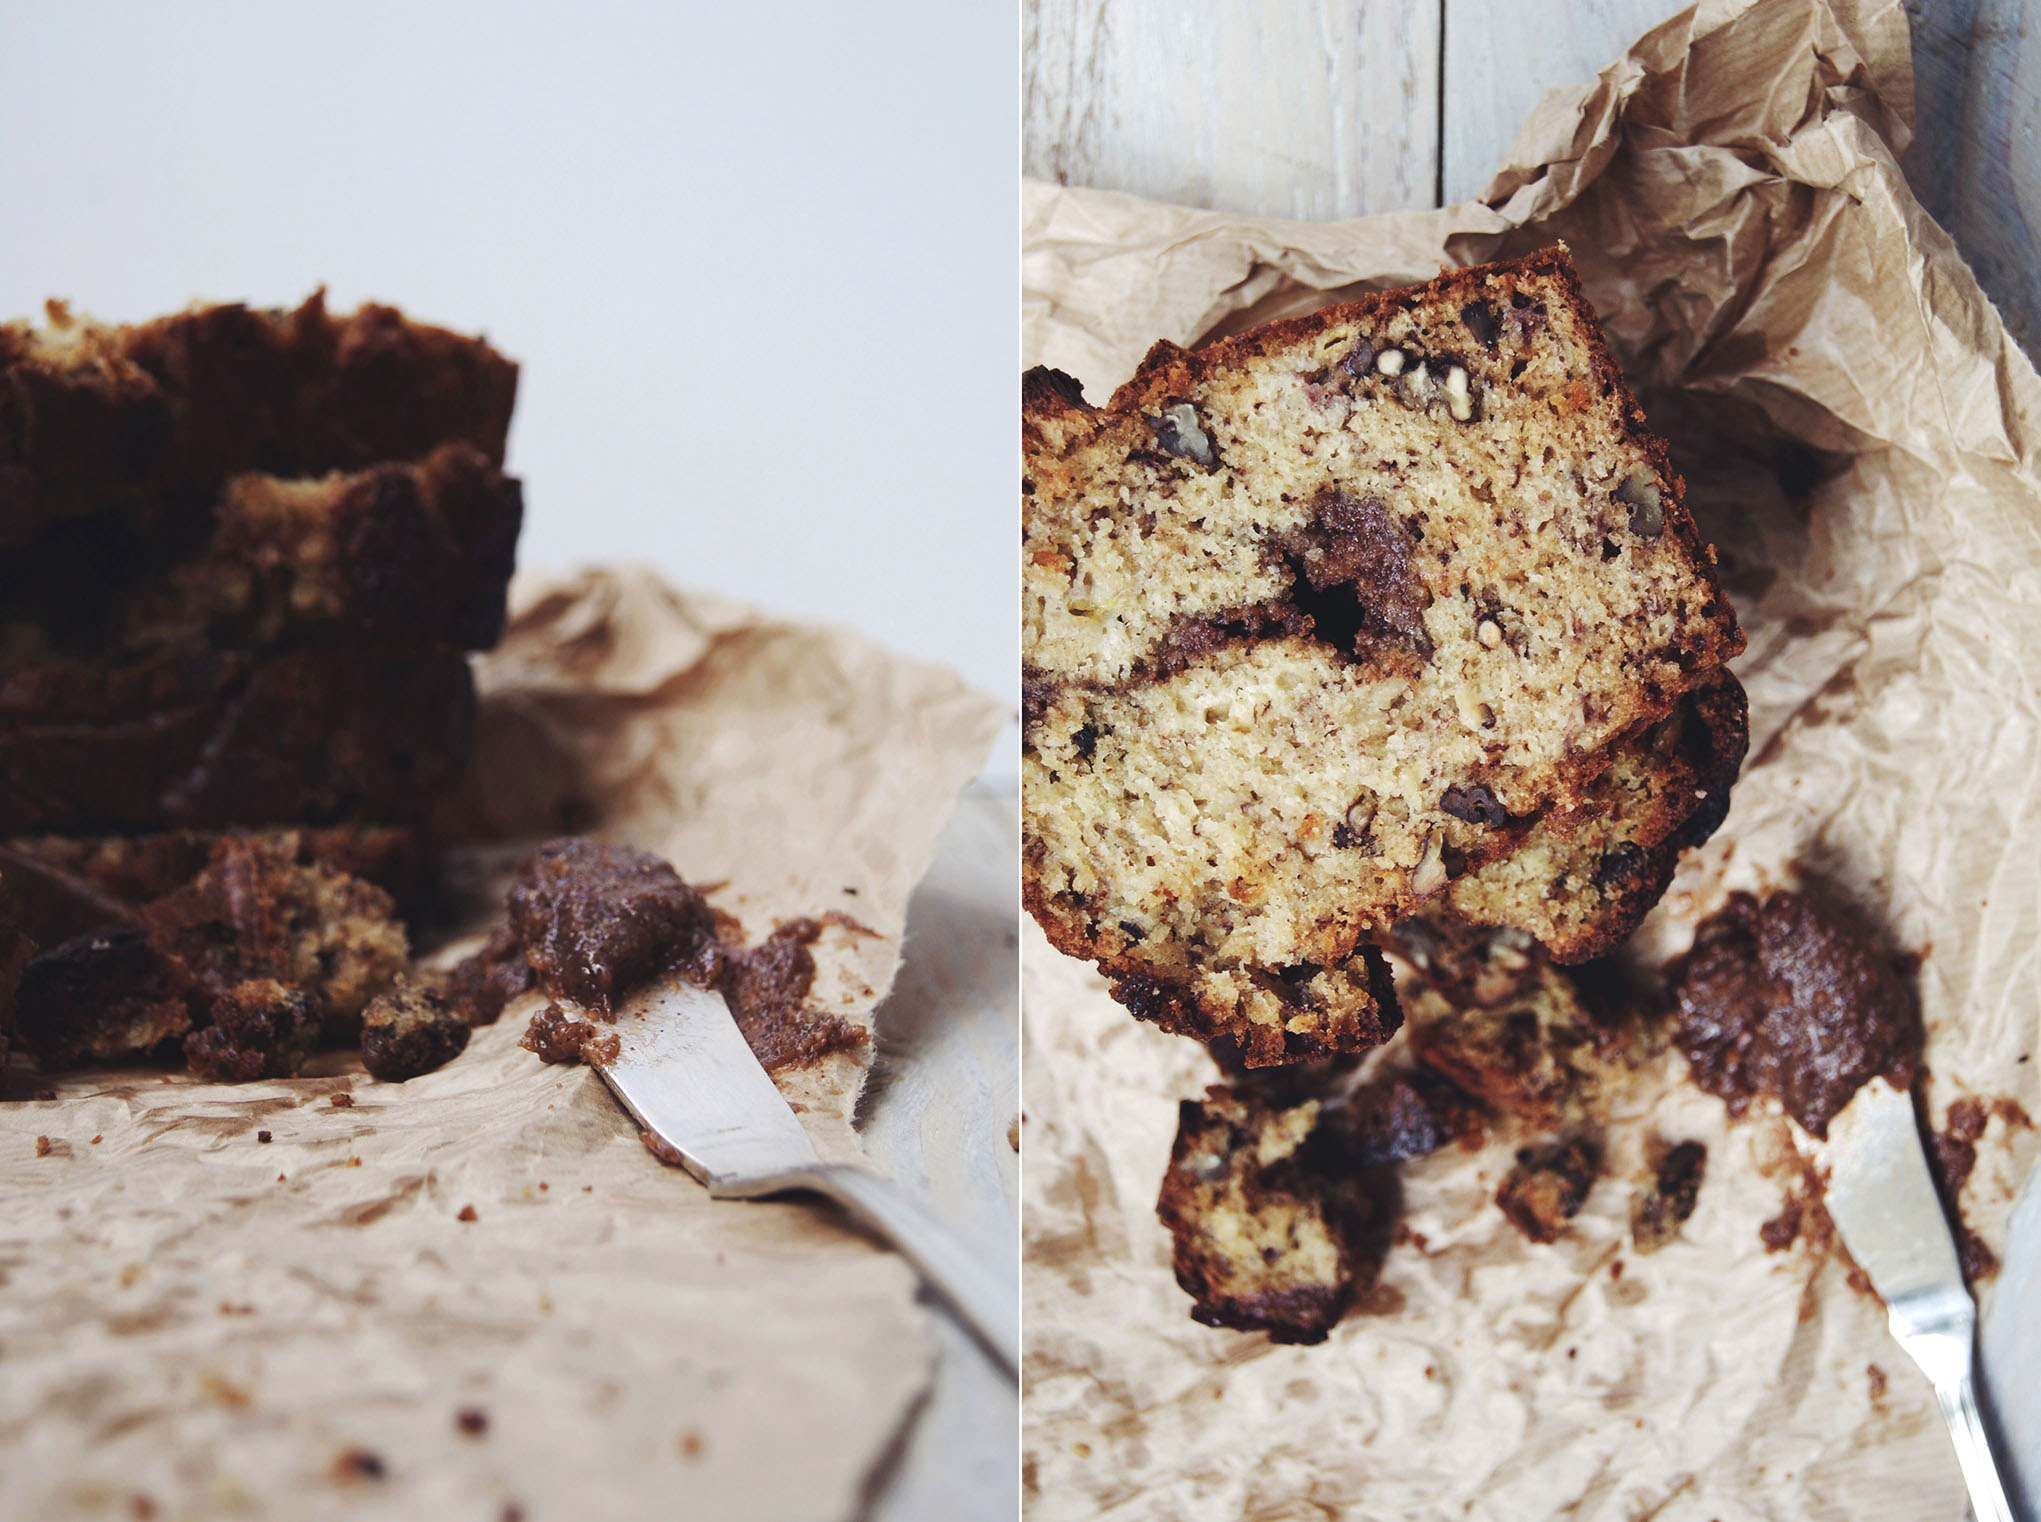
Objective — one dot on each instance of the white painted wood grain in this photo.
(1286, 108)
(1503, 55)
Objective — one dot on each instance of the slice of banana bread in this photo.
(418, 553)
(149, 421)
(207, 738)
(1325, 616)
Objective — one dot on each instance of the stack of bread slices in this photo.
(244, 555)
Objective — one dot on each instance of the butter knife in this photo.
(686, 1073)
(1883, 1201)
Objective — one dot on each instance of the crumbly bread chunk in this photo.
(136, 868)
(204, 954)
(1584, 877)
(209, 738)
(1500, 1022)
(1547, 1187)
(1666, 1193)
(410, 1030)
(149, 421)
(1322, 617)
(1263, 1241)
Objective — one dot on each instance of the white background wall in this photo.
(758, 261)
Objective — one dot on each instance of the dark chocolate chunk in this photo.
(1475, 804)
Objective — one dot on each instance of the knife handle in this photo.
(1973, 1451)
(986, 1301)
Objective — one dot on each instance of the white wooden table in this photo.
(1339, 108)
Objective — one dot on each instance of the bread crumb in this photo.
(358, 1464)
(42, 1146)
(343, 1101)
(467, 1214)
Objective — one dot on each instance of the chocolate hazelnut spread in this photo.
(1795, 1000)
(481, 985)
(597, 921)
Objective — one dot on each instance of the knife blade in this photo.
(686, 1074)
(1883, 1202)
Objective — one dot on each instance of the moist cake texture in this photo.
(1324, 617)
(1585, 876)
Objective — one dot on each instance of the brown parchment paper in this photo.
(1860, 441)
(195, 1317)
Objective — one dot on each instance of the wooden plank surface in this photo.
(1314, 108)
(1501, 56)
(1318, 109)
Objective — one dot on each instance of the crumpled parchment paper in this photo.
(214, 1323)
(1860, 440)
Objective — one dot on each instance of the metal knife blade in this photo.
(686, 1074)
(1883, 1201)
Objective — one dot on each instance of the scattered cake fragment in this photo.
(1492, 1014)
(1666, 1195)
(1547, 1187)
(1264, 1240)
(410, 1030)
(261, 942)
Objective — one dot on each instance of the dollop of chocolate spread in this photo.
(597, 921)
(1796, 1000)
(767, 987)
